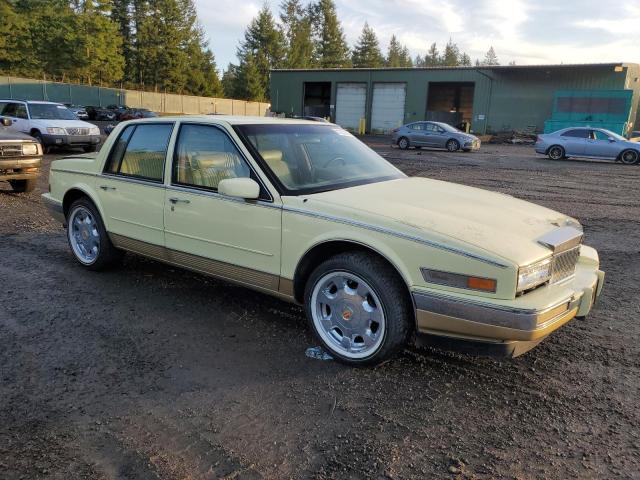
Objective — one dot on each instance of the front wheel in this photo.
(88, 238)
(403, 143)
(629, 157)
(358, 307)
(23, 186)
(38, 136)
(453, 145)
(90, 148)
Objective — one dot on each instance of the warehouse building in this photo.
(483, 100)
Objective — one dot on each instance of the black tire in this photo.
(108, 255)
(23, 186)
(38, 136)
(453, 145)
(630, 157)
(556, 152)
(90, 148)
(403, 143)
(388, 287)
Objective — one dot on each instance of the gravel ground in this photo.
(149, 372)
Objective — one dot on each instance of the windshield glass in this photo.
(49, 111)
(612, 134)
(316, 158)
(447, 127)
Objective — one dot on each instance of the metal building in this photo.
(487, 99)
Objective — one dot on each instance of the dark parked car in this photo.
(135, 113)
(20, 158)
(118, 110)
(78, 110)
(100, 113)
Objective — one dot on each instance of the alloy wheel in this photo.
(84, 236)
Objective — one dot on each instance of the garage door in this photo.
(350, 104)
(387, 110)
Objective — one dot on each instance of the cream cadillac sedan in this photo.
(306, 212)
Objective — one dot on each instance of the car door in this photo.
(229, 237)
(599, 144)
(415, 132)
(17, 112)
(433, 136)
(574, 141)
(131, 188)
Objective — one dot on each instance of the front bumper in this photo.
(503, 329)
(471, 146)
(70, 140)
(14, 168)
(54, 206)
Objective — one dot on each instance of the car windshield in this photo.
(50, 111)
(315, 158)
(447, 127)
(612, 134)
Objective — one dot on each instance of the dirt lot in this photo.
(150, 372)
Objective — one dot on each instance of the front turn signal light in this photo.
(479, 283)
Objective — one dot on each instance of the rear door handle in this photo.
(107, 187)
(175, 200)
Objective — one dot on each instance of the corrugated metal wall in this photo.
(504, 98)
(25, 88)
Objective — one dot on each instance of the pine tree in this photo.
(250, 84)
(465, 60)
(366, 53)
(405, 58)
(490, 58)
(419, 61)
(432, 58)
(296, 23)
(230, 82)
(394, 54)
(332, 50)
(451, 54)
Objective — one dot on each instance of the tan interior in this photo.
(278, 165)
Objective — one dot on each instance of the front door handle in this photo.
(175, 200)
(107, 187)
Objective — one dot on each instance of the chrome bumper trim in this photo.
(495, 315)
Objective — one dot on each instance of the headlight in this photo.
(94, 131)
(29, 149)
(534, 274)
(56, 131)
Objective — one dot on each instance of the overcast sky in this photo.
(544, 31)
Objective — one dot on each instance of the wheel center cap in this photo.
(85, 234)
(347, 313)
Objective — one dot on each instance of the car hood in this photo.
(493, 222)
(63, 123)
(8, 135)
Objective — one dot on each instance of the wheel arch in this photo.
(324, 249)
(76, 192)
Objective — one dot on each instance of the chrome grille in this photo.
(564, 264)
(77, 131)
(10, 150)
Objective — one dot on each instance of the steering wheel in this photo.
(326, 165)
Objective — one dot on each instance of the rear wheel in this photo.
(556, 152)
(453, 145)
(629, 157)
(358, 307)
(403, 143)
(88, 238)
(23, 186)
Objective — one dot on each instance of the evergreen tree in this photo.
(419, 61)
(405, 58)
(465, 60)
(451, 54)
(230, 82)
(394, 54)
(296, 22)
(331, 47)
(250, 85)
(432, 58)
(366, 53)
(490, 58)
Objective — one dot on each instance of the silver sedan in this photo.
(434, 134)
(588, 143)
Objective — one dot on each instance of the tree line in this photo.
(160, 45)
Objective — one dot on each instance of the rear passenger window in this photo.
(140, 152)
(576, 133)
(204, 156)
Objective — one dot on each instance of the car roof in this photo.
(44, 102)
(233, 120)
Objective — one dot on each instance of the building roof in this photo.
(481, 67)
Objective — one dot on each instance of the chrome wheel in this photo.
(453, 145)
(84, 236)
(403, 143)
(348, 315)
(629, 157)
(556, 153)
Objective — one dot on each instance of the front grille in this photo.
(564, 264)
(10, 150)
(77, 131)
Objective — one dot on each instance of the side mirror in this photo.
(611, 139)
(6, 122)
(239, 187)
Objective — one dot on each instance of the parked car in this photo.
(434, 134)
(634, 136)
(20, 158)
(52, 124)
(118, 110)
(588, 143)
(100, 114)
(79, 111)
(109, 128)
(306, 212)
